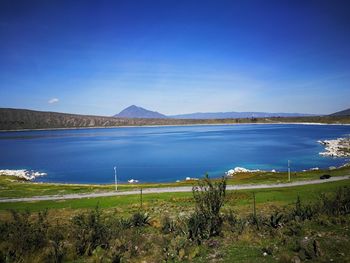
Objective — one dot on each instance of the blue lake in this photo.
(165, 154)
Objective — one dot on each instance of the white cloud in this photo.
(53, 101)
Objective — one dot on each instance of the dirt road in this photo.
(166, 190)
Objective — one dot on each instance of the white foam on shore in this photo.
(191, 179)
(133, 181)
(22, 173)
(242, 170)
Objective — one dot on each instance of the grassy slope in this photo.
(10, 187)
(244, 248)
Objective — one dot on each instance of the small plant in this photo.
(125, 223)
(308, 249)
(275, 220)
(168, 225)
(256, 220)
(302, 212)
(236, 224)
(294, 228)
(140, 219)
(176, 249)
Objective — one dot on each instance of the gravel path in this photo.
(166, 190)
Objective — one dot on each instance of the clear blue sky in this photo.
(181, 56)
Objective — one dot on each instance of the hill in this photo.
(13, 119)
(139, 112)
(18, 119)
(233, 114)
(342, 113)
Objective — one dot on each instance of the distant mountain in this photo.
(233, 114)
(17, 119)
(138, 112)
(341, 113)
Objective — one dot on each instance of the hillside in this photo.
(342, 113)
(139, 112)
(14, 119)
(234, 114)
(17, 119)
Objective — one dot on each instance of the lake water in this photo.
(165, 154)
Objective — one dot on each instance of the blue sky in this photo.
(98, 57)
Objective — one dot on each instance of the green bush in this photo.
(209, 198)
(25, 234)
(139, 219)
(197, 227)
(338, 204)
(275, 220)
(168, 225)
(56, 236)
(177, 249)
(124, 223)
(236, 224)
(89, 232)
(302, 212)
(256, 220)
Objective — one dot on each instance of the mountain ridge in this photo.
(341, 113)
(24, 119)
(235, 114)
(134, 111)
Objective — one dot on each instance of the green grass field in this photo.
(248, 246)
(175, 202)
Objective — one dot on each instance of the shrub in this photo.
(176, 249)
(124, 223)
(56, 236)
(336, 205)
(209, 198)
(275, 220)
(294, 228)
(197, 227)
(168, 225)
(140, 219)
(89, 232)
(236, 224)
(256, 220)
(302, 212)
(26, 234)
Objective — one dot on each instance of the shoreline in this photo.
(178, 125)
(226, 174)
(338, 148)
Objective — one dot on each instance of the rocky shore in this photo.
(238, 170)
(336, 148)
(24, 174)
